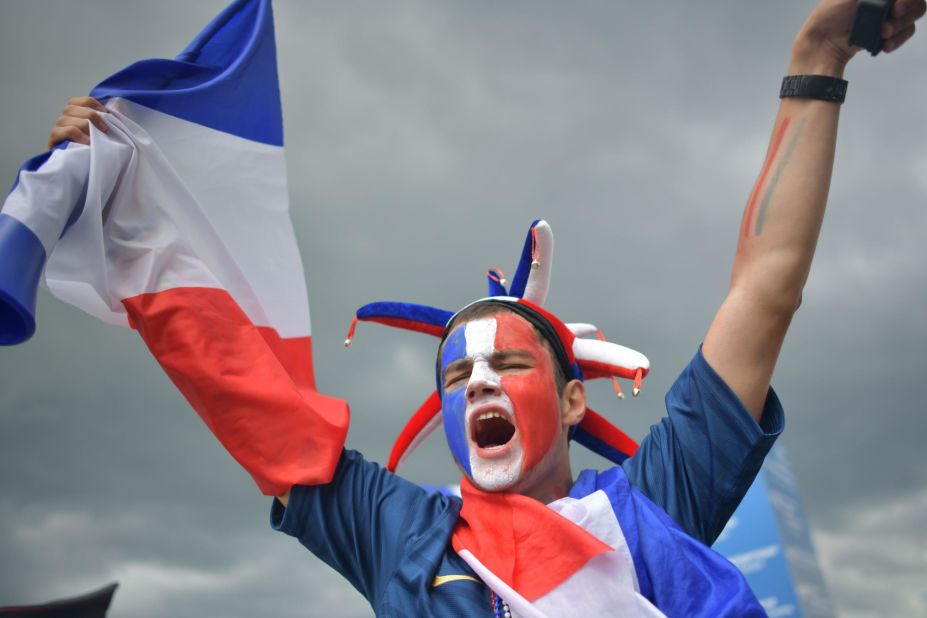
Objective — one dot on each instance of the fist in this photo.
(823, 38)
(75, 120)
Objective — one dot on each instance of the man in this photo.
(405, 551)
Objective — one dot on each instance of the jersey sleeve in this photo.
(364, 521)
(701, 458)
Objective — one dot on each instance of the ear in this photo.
(573, 403)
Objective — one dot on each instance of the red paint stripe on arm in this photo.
(252, 388)
(774, 148)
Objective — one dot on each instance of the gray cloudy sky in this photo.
(422, 138)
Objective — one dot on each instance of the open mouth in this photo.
(492, 430)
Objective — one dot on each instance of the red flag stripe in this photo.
(253, 389)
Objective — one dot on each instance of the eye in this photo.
(454, 379)
(514, 366)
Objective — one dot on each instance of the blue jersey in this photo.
(391, 539)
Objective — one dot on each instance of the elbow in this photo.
(777, 303)
(773, 285)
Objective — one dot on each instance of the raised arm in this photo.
(783, 216)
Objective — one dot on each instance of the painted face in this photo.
(500, 404)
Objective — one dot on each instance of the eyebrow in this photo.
(457, 365)
(461, 363)
(510, 353)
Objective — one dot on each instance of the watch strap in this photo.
(823, 87)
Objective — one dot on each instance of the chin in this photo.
(497, 474)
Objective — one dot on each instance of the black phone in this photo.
(867, 23)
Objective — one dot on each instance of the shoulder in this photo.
(700, 389)
(366, 494)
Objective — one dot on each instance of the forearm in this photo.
(778, 234)
(783, 216)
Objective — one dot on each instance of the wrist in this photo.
(812, 55)
(820, 87)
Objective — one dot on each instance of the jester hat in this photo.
(580, 348)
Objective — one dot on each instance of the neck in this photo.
(551, 492)
(550, 480)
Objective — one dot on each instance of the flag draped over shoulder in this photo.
(175, 222)
(566, 558)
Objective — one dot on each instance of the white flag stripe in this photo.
(163, 230)
(245, 197)
(607, 584)
(42, 199)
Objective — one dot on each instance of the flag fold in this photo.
(175, 221)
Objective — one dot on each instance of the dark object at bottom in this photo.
(91, 605)
(867, 23)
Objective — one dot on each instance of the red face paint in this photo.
(532, 391)
(497, 367)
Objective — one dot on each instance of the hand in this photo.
(900, 25)
(74, 122)
(821, 46)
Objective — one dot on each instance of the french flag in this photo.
(604, 550)
(569, 558)
(175, 222)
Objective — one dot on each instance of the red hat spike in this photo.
(425, 420)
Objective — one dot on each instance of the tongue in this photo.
(492, 432)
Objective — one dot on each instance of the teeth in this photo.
(487, 415)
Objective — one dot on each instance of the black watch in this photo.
(823, 87)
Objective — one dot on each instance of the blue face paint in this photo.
(454, 403)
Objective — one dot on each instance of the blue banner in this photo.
(769, 540)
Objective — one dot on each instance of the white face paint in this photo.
(500, 467)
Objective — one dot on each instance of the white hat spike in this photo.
(606, 358)
(542, 260)
(584, 330)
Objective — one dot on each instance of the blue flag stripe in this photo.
(22, 258)
(226, 79)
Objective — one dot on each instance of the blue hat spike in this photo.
(408, 316)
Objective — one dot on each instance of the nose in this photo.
(483, 383)
(475, 391)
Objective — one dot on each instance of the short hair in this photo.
(489, 308)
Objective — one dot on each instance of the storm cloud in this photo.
(422, 138)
